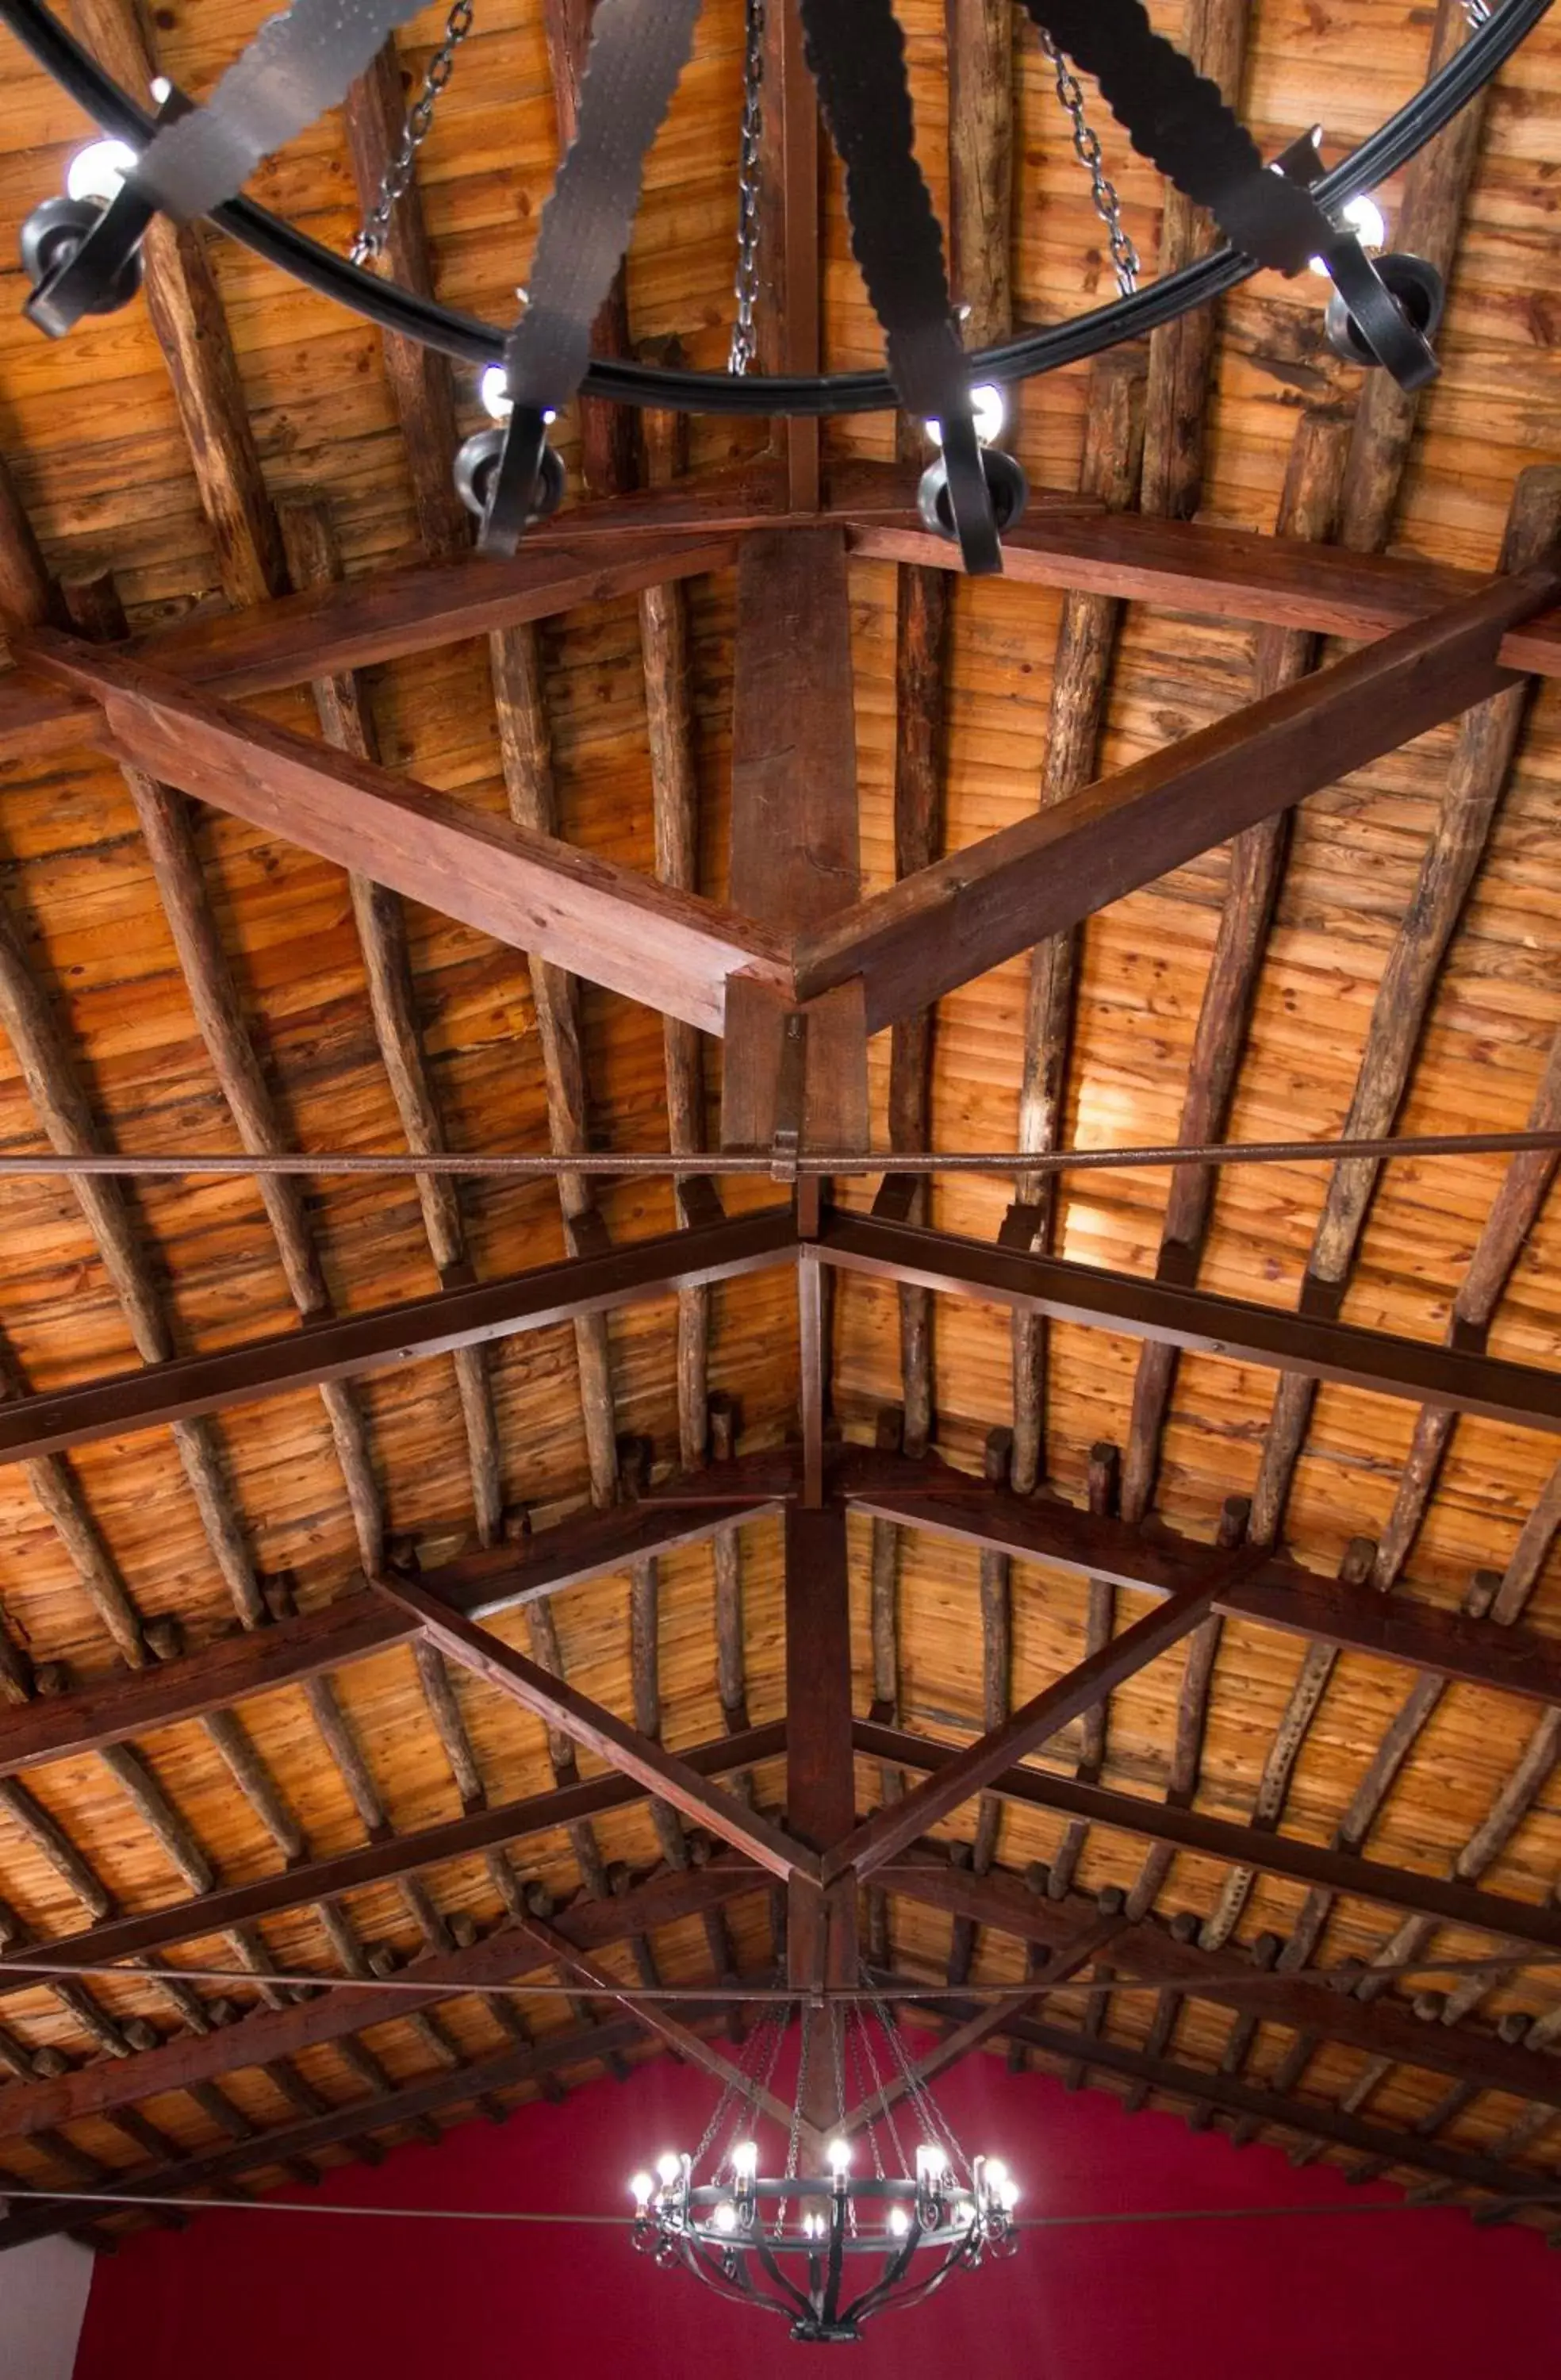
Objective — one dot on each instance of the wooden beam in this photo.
(1427, 222)
(1249, 1846)
(173, 1390)
(822, 1948)
(983, 904)
(231, 1669)
(868, 1846)
(1149, 1956)
(347, 721)
(599, 1730)
(190, 326)
(1278, 1594)
(1181, 352)
(1087, 646)
(623, 930)
(319, 1883)
(500, 1957)
(788, 315)
(375, 116)
(1519, 1393)
(980, 39)
(1308, 507)
(526, 748)
(1398, 2149)
(1483, 757)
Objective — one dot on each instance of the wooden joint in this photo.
(587, 1234)
(1021, 1227)
(1465, 1337)
(1320, 1300)
(896, 1197)
(699, 1202)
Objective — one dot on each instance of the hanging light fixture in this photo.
(827, 2248)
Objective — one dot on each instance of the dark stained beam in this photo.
(231, 1669)
(898, 1824)
(822, 1949)
(598, 551)
(981, 906)
(428, 1326)
(388, 1859)
(1518, 1393)
(1279, 1594)
(788, 315)
(669, 949)
(1256, 1846)
(500, 1958)
(1148, 1957)
(597, 1730)
(1398, 2150)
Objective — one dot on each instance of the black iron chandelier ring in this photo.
(470, 342)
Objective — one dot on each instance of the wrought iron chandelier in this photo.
(81, 251)
(830, 2248)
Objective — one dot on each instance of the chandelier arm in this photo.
(897, 2266)
(470, 342)
(758, 2245)
(875, 2300)
(705, 2266)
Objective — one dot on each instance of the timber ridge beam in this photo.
(919, 1493)
(1427, 1372)
(596, 552)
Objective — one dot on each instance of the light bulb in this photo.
(99, 170)
(745, 2160)
(899, 2221)
(1365, 219)
(988, 409)
(1008, 2196)
(725, 2215)
(837, 2157)
(994, 2175)
(162, 90)
(641, 2188)
(493, 388)
(669, 2165)
(931, 2163)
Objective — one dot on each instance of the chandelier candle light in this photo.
(827, 2248)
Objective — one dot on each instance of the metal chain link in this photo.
(745, 288)
(1090, 156)
(1479, 12)
(370, 240)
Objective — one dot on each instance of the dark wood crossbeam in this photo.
(597, 1730)
(1400, 2151)
(1150, 1955)
(822, 1948)
(479, 1584)
(167, 1391)
(868, 1846)
(1522, 1394)
(389, 1859)
(669, 949)
(970, 912)
(498, 1958)
(1251, 1847)
(1278, 1593)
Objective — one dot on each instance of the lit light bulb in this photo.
(1365, 219)
(493, 388)
(641, 2188)
(745, 2160)
(899, 2221)
(162, 90)
(1008, 2196)
(812, 2226)
(837, 2157)
(930, 2163)
(995, 2174)
(99, 170)
(988, 409)
(725, 2216)
(669, 2165)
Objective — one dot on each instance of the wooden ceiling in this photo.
(1271, 1448)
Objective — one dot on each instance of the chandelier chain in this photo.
(1087, 144)
(397, 180)
(745, 288)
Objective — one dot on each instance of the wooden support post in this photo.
(821, 1934)
(1087, 646)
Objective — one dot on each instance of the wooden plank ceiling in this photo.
(1167, 1554)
